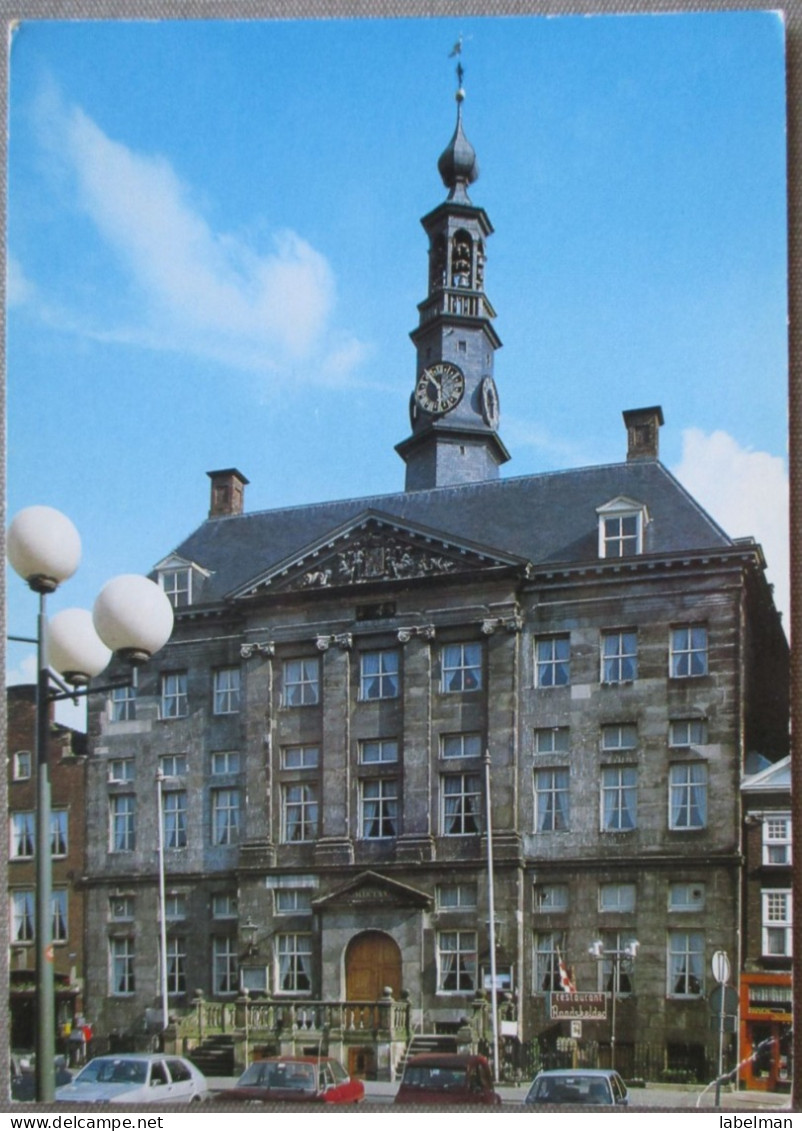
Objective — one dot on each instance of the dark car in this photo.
(301, 1079)
(447, 1078)
(600, 1086)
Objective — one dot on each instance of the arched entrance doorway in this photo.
(372, 961)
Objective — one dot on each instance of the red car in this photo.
(298, 1079)
(447, 1078)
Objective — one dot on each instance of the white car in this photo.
(131, 1078)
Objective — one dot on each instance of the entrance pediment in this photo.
(370, 889)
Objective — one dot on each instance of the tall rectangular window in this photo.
(777, 922)
(619, 657)
(224, 905)
(301, 683)
(122, 823)
(461, 667)
(378, 675)
(299, 816)
(224, 965)
(548, 945)
(553, 661)
(174, 807)
(294, 960)
(59, 832)
(22, 763)
(777, 839)
(23, 836)
(688, 795)
(619, 785)
(122, 704)
(379, 809)
(551, 800)
(688, 651)
(461, 800)
(456, 962)
(620, 535)
(616, 977)
(225, 816)
(176, 965)
(177, 585)
(60, 925)
(226, 691)
(174, 703)
(686, 963)
(122, 977)
(23, 916)
(175, 906)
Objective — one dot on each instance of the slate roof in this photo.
(547, 519)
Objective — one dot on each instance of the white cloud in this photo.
(746, 492)
(24, 672)
(19, 290)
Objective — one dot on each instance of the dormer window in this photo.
(180, 579)
(621, 527)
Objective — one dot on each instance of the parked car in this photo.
(23, 1075)
(447, 1078)
(600, 1086)
(302, 1079)
(131, 1078)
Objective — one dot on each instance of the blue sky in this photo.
(215, 259)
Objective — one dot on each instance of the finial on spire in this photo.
(456, 50)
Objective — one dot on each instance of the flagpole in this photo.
(492, 909)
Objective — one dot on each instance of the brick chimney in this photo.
(228, 492)
(643, 432)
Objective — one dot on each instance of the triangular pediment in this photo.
(777, 777)
(370, 889)
(376, 547)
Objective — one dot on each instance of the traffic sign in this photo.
(721, 967)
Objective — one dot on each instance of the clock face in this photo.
(489, 402)
(440, 387)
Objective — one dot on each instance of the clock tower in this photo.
(454, 408)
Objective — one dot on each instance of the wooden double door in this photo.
(372, 961)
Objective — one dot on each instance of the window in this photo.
(121, 770)
(551, 740)
(21, 765)
(380, 750)
(378, 675)
(224, 905)
(293, 901)
(686, 897)
(224, 965)
(619, 736)
(174, 808)
(686, 963)
(688, 651)
(616, 977)
(122, 704)
(455, 897)
(226, 691)
(619, 789)
(461, 804)
(777, 839)
(294, 956)
(300, 757)
(461, 746)
(122, 823)
(122, 978)
(177, 584)
(617, 897)
(299, 812)
(379, 809)
(777, 923)
(23, 917)
(59, 832)
(121, 908)
(551, 897)
(553, 661)
(620, 535)
(687, 732)
(462, 667)
(173, 765)
(456, 962)
(225, 816)
(548, 947)
(619, 657)
(23, 833)
(551, 800)
(174, 695)
(176, 965)
(301, 683)
(60, 922)
(175, 906)
(688, 792)
(225, 762)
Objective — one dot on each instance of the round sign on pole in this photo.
(721, 967)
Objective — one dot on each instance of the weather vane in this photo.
(456, 51)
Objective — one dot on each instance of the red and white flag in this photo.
(565, 978)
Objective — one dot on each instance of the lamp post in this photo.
(133, 618)
(628, 953)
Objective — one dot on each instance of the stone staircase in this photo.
(423, 1043)
(215, 1056)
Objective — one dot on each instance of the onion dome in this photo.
(457, 164)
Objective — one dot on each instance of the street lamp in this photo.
(133, 618)
(626, 954)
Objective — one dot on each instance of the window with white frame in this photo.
(550, 898)
(688, 651)
(175, 906)
(456, 962)
(60, 925)
(122, 822)
(686, 963)
(548, 946)
(59, 832)
(176, 965)
(122, 704)
(224, 965)
(121, 769)
(225, 816)
(619, 656)
(174, 702)
(174, 810)
(122, 975)
(378, 675)
(299, 812)
(377, 751)
(21, 765)
(121, 908)
(300, 757)
(293, 901)
(226, 691)
(551, 800)
(177, 585)
(225, 762)
(777, 839)
(777, 922)
(461, 667)
(301, 682)
(687, 732)
(23, 917)
(461, 804)
(224, 905)
(551, 740)
(378, 809)
(553, 661)
(616, 897)
(619, 799)
(621, 527)
(615, 976)
(460, 746)
(619, 736)
(688, 795)
(686, 896)
(456, 896)
(294, 964)
(23, 836)
(173, 765)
